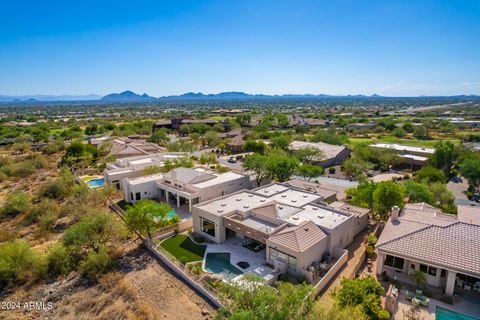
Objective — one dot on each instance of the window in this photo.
(394, 262)
(208, 227)
(131, 196)
(138, 196)
(428, 270)
(195, 200)
(291, 260)
(412, 266)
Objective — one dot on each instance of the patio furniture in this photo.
(459, 282)
(421, 301)
(409, 295)
(476, 287)
(468, 287)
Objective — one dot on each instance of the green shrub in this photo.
(96, 263)
(19, 263)
(372, 239)
(16, 202)
(59, 260)
(383, 315)
(331, 170)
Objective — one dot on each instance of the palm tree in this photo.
(418, 277)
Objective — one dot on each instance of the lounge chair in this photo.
(467, 287)
(409, 295)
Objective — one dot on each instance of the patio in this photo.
(464, 304)
(256, 260)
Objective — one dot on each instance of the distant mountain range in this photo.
(132, 97)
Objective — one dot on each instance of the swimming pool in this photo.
(171, 214)
(96, 183)
(219, 263)
(445, 314)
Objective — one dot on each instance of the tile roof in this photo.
(330, 151)
(351, 209)
(455, 246)
(469, 214)
(298, 238)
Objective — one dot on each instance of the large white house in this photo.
(132, 167)
(414, 156)
(445, 247)
(184, 186)
(296, 227)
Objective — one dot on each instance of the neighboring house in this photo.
(361, 214)
(184, 186)
(298, 230)
(413, 156)
(131, 147)
(421, 238)
(468, 214)
(236, 144)
(132, 167)
(466, 123)
(176, 123)
(359, 126)
(332, 154)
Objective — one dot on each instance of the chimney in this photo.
(395, 213)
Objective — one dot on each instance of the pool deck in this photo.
(466, 305)
(239, 253)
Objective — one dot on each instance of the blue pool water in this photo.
(445, 314)
(96, 183)
(219, 263)
(171, 214)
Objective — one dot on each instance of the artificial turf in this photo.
(183, 248)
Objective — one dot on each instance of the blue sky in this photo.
(392, 48)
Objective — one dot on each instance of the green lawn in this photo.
(408, 142)
(183, 248)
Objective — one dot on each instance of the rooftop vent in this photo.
(295, 218)
(284, 195)
(314, 208)
(280, 207)
(265, 190)
(220, 211)
(239, 199)
(250, 195)
(305, 195)
(262, 200)
(321, 216)
(246, 206)
(293, 200)
(223, 204)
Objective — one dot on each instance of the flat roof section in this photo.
(328, 219)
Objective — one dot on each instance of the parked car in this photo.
(232, 160)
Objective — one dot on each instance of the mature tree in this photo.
(184, 162)
(329, 137)
(355, 166)
(308, 154)
(386, 195)
(429, 175)
(443, 197)
(444, 157)
(399, 132)
(212, 138)
(470, 169)
(362, 195)
(384, 158)
(364, 292)
(282, 120)
(252, 299)
(91, 129)
(208, 158)
(280, 165)
(92, 232)
(281, 142)
(257, 164)
(243, 119)
(255, 146)
(159, 136)
(422, 132)
(145, 216)
(309, 171)
(419, 192)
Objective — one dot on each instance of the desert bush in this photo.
(96, 263)
(19, 263)
(16, 203)
(59, 260)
